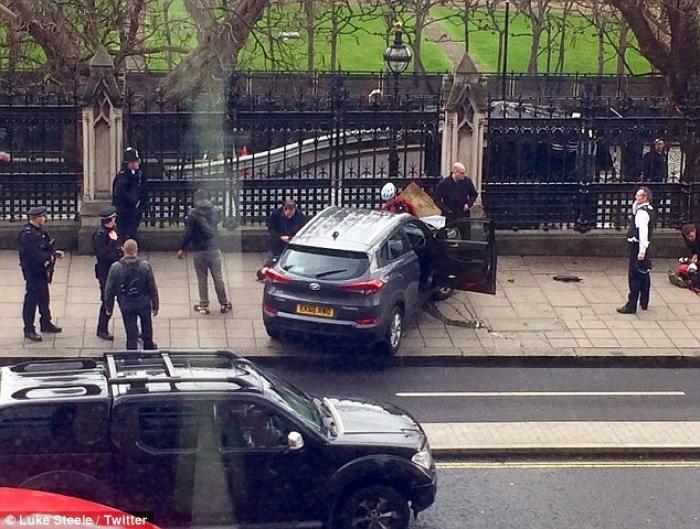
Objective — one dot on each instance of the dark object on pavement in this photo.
(567, 278)
(151, 422)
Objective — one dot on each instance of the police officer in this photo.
(639, 235)
(108, 251)
(37, 257)
(126, 195)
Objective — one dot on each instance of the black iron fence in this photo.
(40, 158)
(329, 146)
(557, 162)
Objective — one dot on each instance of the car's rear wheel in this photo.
(394, 332)
(273, 333)
(374, 507)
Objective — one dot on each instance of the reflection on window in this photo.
(248, 426)
(169, 426)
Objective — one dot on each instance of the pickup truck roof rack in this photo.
(122, 364)
(54, 366)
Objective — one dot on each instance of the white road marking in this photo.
(567, 464)
(506, 394)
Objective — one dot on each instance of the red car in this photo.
(33, 508)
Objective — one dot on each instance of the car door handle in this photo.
(454, 245)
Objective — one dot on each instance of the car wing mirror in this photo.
(295, 441)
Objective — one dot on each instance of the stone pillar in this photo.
(464, 125)
(102, 133)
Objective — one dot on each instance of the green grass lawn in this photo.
(581, 49)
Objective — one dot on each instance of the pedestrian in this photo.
(282, 225)
(202, 239)
(456, 194)
(639, 265)
(108, 251)
(395, 203)
(126, 195)
(655, 163)
(132, 282)
(687, 272)
(37, 258)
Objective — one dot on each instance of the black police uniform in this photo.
(638, 276)
(37, 258)
(127, 198)
(107, 251)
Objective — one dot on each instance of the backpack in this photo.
(132, 286)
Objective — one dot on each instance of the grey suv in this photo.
(358, 274)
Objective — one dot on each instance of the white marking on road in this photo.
(568, 464)
(507, 394)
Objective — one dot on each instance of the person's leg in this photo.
(633, 280)
(103, 318)
(216, 267)
(29, 308)
(201, 268)
(147, 328)
(645, 285)
(131, 328)
(43, 301)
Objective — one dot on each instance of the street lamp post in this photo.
(397, 57)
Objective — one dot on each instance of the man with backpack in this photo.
(131, 281)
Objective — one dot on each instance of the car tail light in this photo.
(364, 287)
(270, 311)
(367, 321)
(276, 277)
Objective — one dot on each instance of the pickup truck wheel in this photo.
(375, 507)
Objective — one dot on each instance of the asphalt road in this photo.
(516, 394)
(561, 497)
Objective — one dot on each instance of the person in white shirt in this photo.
(638, 235)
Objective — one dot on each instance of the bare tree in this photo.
(465, 10)
(537, 12)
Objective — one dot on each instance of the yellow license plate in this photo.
(313, 310)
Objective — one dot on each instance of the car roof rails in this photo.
(119, 364)
(41, 367)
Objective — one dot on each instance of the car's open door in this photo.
(465, 256)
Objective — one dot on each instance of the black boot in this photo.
(33, 336)
(51, 328)
(625, 309)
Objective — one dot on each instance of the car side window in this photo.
(396, 246)
(51, 428)
(246, 426)
(169, 426)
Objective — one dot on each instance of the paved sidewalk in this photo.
(531, 315)
(552, 438)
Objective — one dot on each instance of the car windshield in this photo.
(320, 263)
(293, 399)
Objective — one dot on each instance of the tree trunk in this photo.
(465, 21)
(417, 46)
(559, 68)
(310, 12)
(271, 41)
(622, 46)
(168, 32)
(601, 52)
(334, 35)
(208, 67)
(537, 29)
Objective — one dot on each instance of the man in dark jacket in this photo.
(126, 195)
(283, 224)
(456, 194)
(131, 281)
(655, 163)
(37, 257)
(108, 251)
(202, 239)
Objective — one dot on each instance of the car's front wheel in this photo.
(374, 507)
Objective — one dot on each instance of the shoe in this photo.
(226, 307)
(626, 310)
(51, 328)
(33, 336)
(644, 306)
(105, 335)
(202, 309)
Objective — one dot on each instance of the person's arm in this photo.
(155, 300)
(187, 236)
(441, 199)
(273, 226)
(641, 221)
(101, 246)
(472, 193)
(113, 280)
